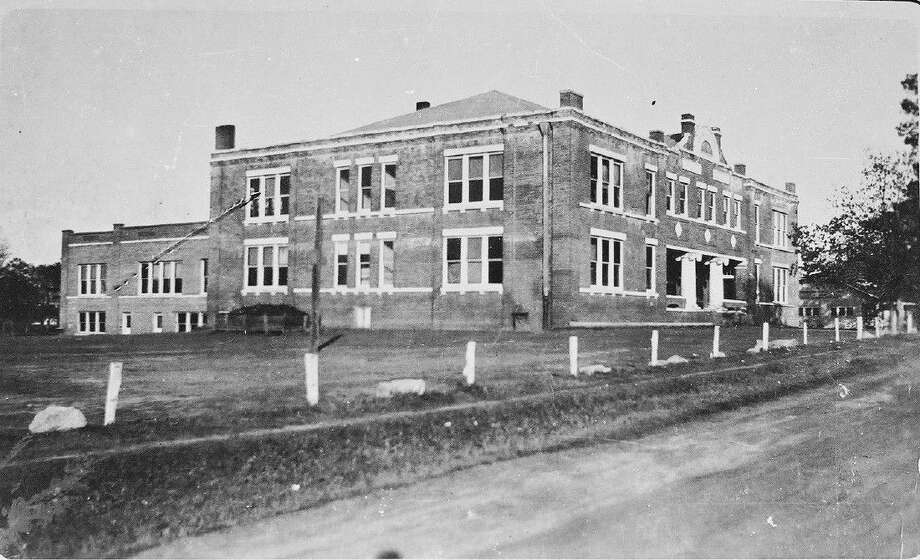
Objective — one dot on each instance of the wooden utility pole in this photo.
(317, 263)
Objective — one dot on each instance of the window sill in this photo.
(481, 206)
(618, 211)
(140, 296)
(775, 247)
(389, 212)
(472, 288)
(266, 220)
(706, 222)
(272, 290)
(79, 333)
(368, 291)
(89, 296)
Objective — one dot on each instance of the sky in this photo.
(107, 114)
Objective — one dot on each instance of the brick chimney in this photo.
(419, 105)
(790, 187)
(656, 136)
(225, 137)
(687, 124)
(741, 169)
(717, 132)
(571, 98)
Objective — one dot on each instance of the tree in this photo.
(872, 244)
(28, 293)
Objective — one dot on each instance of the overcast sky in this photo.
(107, 115)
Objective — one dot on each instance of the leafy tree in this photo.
(28, 293)
(873, 242)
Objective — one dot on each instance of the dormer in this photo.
(703, 141)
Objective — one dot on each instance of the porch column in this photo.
(688, 279)
(716, 283)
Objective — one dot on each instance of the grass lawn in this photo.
(180, 385)
(176, 386)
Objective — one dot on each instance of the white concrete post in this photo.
(715, 344)
(716, 284)
(910, 323)
(311, 377)
(804, 333)
(766, 337)
(836, 329)
(878, 328)
(111, 394)
(573, 355)
(654, 359)
(469, 370)
(688, 280)
(893, 323)
(859, 327)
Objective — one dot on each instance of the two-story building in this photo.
(493, 212)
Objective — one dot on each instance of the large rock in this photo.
(675, 359)
(386, 389)
(57, 419)
(592, 370)
(774, 344)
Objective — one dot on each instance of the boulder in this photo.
(593, 369)
(675, 359)
(386, 389)
(774, 344)
(57, 419)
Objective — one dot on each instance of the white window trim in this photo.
(202, 265)
(465, 204)
(159, 270)
(359, 206)
(337, 208)
(604, 152)
(464, 234)
(92, 320)
(654, 247)
(381, 283)
(262, 174)
(98, 291)
(652, 202)
(758, 223)
(618, 165)
(383, 176)
(780, 234)
(260, 287)
(362, 247)
(598, 232)
(594, 286)
(671, 198)
(340, 248)
(157, 329)
(781, 296)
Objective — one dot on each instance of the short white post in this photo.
(836, 329)
(910, 323)
(715, 344)
(573, 355)
(804, 333)
(469, 370)
(311, 370)
(878, 328)
(859, 327)
(654, 359)
(766, 338)
(111, 394)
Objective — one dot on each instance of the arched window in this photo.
(706, 148)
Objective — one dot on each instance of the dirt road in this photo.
(829, 472)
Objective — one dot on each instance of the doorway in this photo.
(126, 322)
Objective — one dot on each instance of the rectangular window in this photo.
(474, 261)
(650, 268)
(671, 196)
(606, 263)
(388, 197)
(780, 285)
(710, 206)
(780, 232)
(273, 197)
(363, 279)
(92, 322)
(266, 266)
(91, 279)
(204, 276)
(756, 282)
(341, 264)
(387, 261)
(606, 182)
(366, 195)
(700, 200)
(682, 199)
(342, 188)
(475, 180)
(736, 214)
(160, 277)
(757, 223)
(187, 321)
(157, 322)
(726, 203)
(649, 193)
